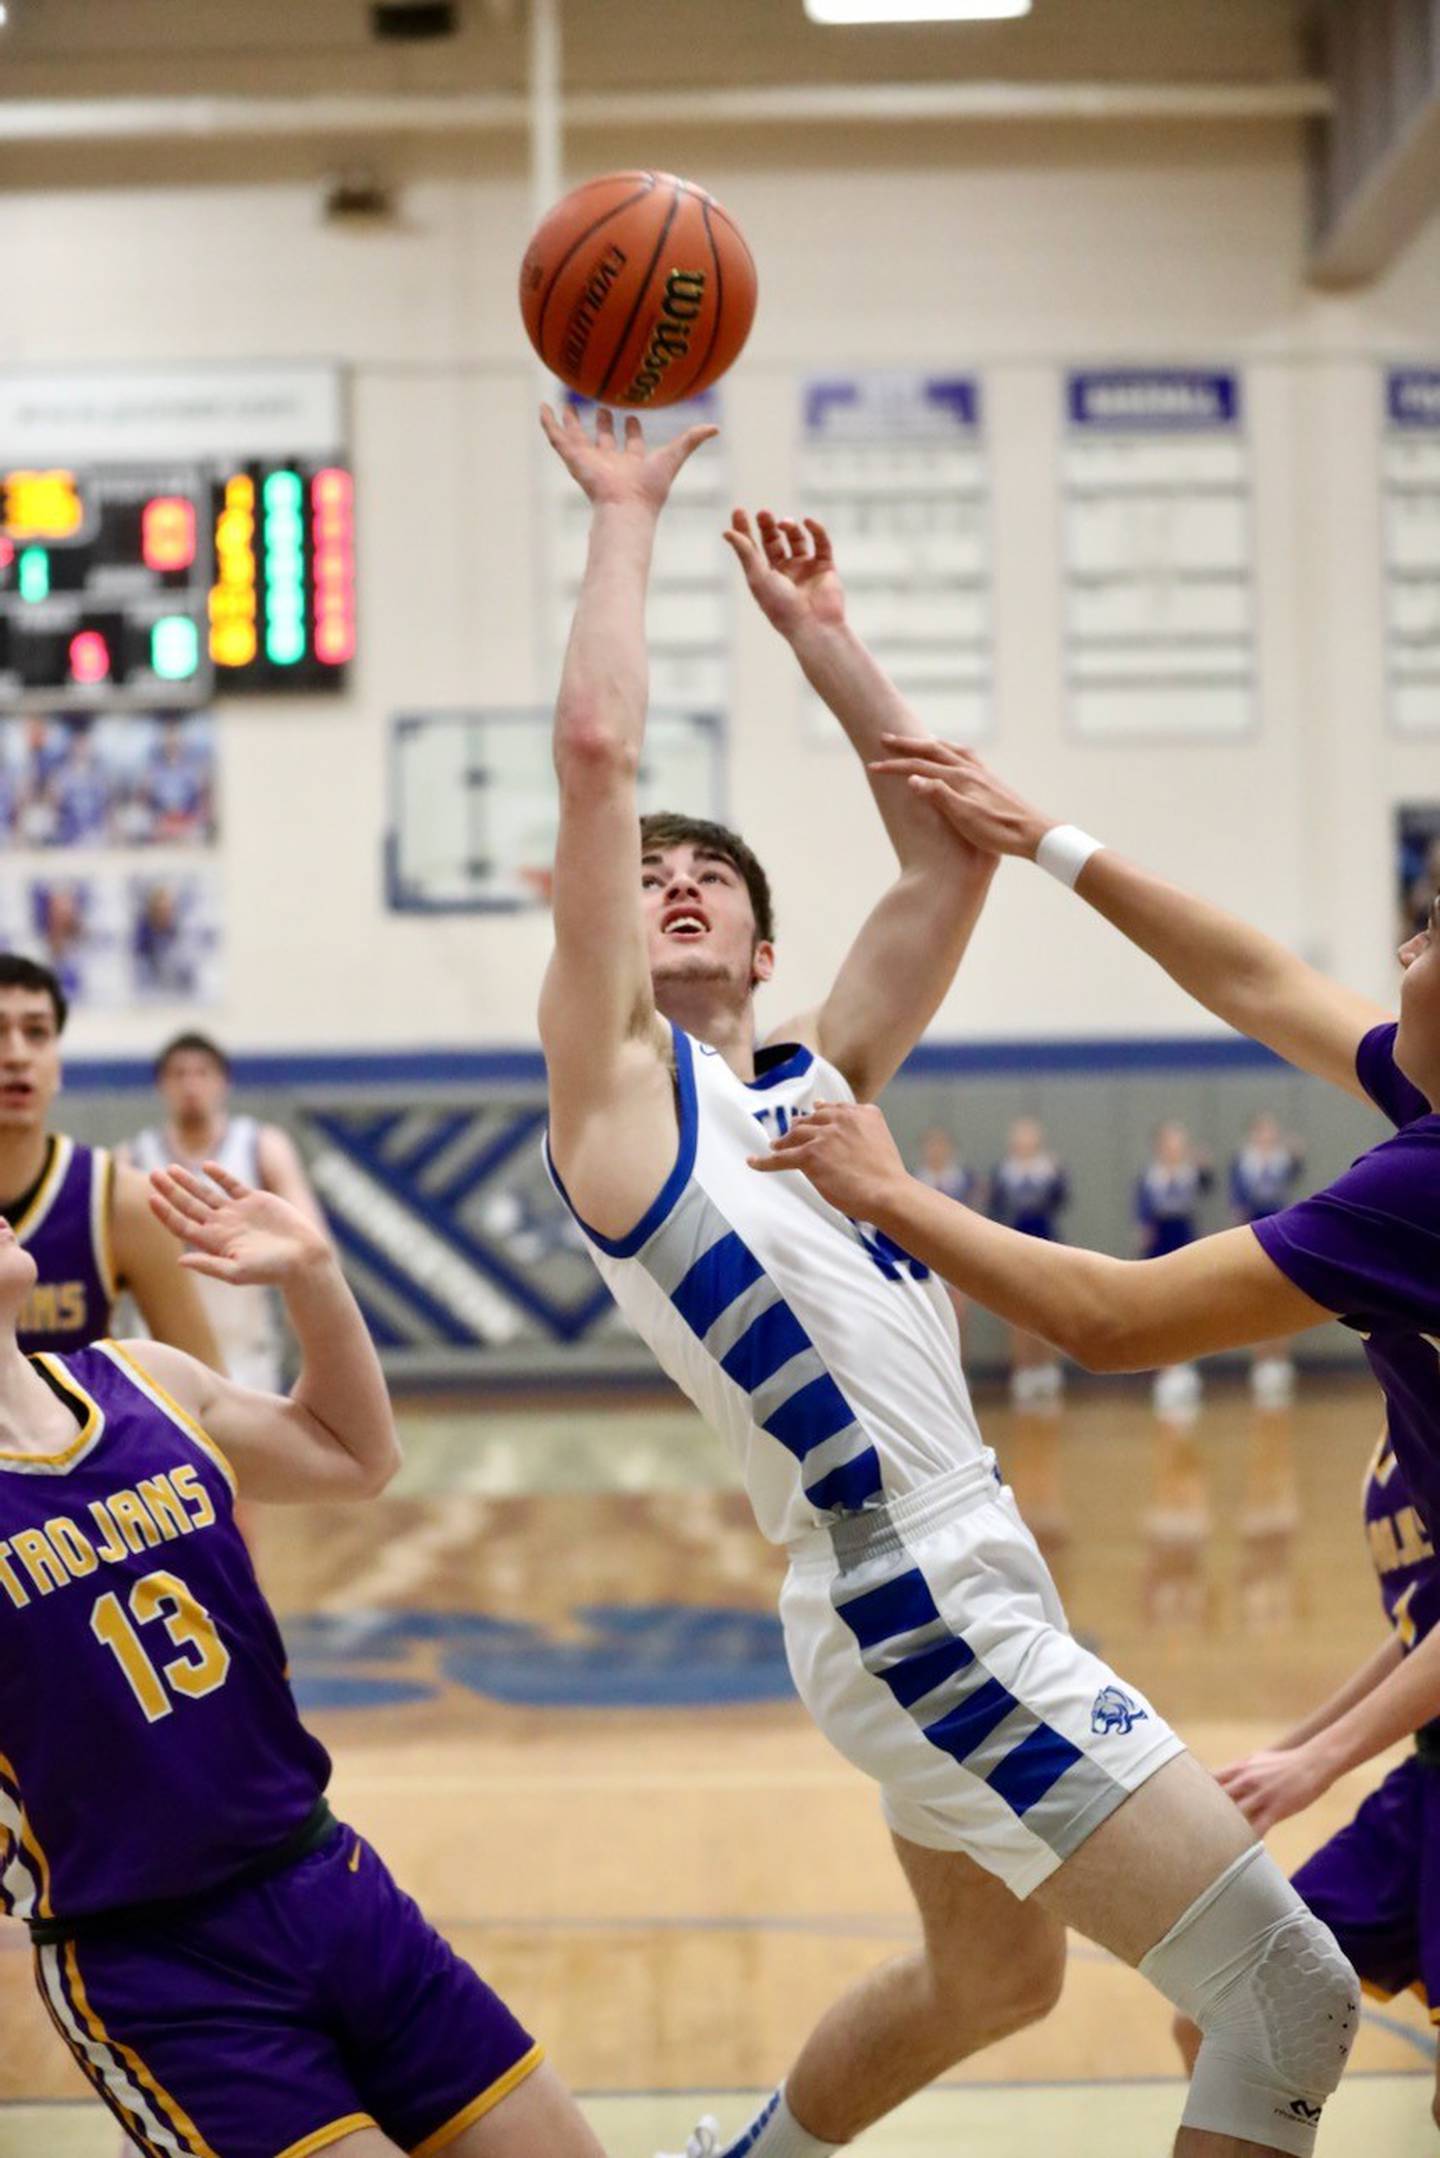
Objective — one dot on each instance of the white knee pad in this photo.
(1277, 2002)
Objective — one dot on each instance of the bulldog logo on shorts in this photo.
(1115, 1711)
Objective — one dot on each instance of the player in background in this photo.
(1168, 1195)
(192, 1077)
(940, 1167)
(235, 1972)
(84, 1218)
(1263, 1177)
(1376, 1883)
(1030, 1190)
(1025, 1786)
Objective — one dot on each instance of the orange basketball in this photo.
(638, 289)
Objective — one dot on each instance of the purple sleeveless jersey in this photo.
(1368, 1248)
(1377, 1883)
(151, 1745)
(1402, 1549)
(66, 1230)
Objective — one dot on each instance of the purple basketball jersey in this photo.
(1402, 1549)
(1368, 1248)
(152, 1747)
(66, 1230)
(1377, 1883)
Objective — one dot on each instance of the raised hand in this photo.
(232, 1232)
(790, 569)
(980, 807)
(608, 470)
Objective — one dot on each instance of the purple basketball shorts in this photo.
(1377, 1884)
(272, 2020)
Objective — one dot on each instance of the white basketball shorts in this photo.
(929, 1643)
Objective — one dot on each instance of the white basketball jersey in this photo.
(244, 1320)
(825, 1356)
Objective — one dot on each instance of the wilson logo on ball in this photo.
(684, 297)
(638, 289)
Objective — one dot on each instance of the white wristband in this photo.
(1064, 851)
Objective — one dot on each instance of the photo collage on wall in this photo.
(107, 832)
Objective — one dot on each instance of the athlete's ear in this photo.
(762, 963)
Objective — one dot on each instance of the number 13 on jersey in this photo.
(201, 1667)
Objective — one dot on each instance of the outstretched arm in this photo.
(1387, 1700)
(905, 956)
(1108, 1314)
(1241, 975)
(602, 1040)
(334, 1436)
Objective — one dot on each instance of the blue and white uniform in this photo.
(244, 1318)
(923, 1630)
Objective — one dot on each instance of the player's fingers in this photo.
(749, 557)
(211, 1263)
(605, 426)
(795, 539)
(740, 522)
(824, 551)
(173, 1191)
(194, 1233)
(692, 440)
(634, 432)
(229, 1184)
(793, 1141)
(928, 745)
(168, 1216)
(772, 540)
(199, 1188)
(769, 1164)
(920, 767)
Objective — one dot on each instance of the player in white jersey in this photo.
(192, 1074)
(1026, 1786)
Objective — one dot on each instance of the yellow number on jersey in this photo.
(190, 1627)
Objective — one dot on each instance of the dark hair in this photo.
(199, 1045)
(19, 973)
(668, 828)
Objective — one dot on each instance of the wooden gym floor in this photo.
(547, 1666)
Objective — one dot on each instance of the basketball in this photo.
(638, 289)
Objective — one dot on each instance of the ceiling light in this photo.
(899, 11)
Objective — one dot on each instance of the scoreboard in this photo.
(156, 585)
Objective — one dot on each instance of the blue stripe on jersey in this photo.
(847, 1489)
(1036, 1763)
(972, 1720)
(896, 1607)
(968, 1713)
(808, 1418)
(918, 1675)
(730, 1304)
(765, 1347)
(718, 1276)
